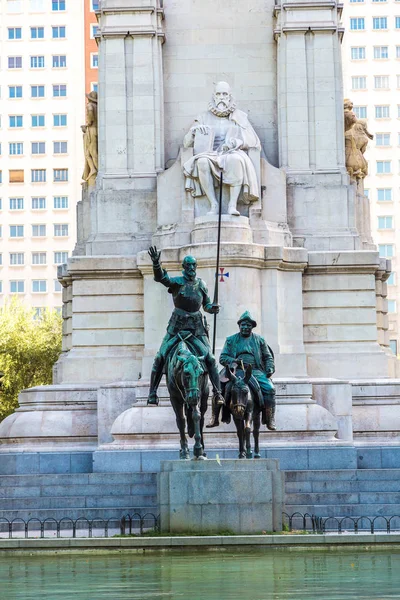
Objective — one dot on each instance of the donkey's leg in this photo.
(240, 433)
(177, 405)
(197, 448)
(247, 433)
(203, 410)
(256, 432)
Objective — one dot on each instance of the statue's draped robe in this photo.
(239, 171)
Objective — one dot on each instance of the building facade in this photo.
(42, 108)
(371, 69)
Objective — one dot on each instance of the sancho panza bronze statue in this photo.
(187, 323)
(248, 348)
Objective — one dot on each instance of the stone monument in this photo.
(298, 254)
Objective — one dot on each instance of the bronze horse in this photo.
(187, 383)
(244, 405)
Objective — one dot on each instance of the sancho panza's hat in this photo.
(246, 316)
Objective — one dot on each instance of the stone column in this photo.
(311, 132)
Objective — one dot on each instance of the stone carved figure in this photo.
(90, 141)
(186, 324)
(228, 135)
(357, 137)
(245, 349)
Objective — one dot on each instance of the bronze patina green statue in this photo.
(186, 324)
(245, 349)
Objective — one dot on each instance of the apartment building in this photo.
(42, 106)
(91, 53)
(371, 71)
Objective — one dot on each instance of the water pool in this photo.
(241, 575)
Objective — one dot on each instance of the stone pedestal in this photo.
(209, 496)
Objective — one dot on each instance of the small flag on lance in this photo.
(222, 274)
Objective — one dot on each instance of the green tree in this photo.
(29, 347)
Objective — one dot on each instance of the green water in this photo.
(208, 575)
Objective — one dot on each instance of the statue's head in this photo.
(189, 267)
(222, 96)
(246, 324)
(347, 104)
(349, 119)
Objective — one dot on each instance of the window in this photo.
(57, 286)
(38, 148)
(1, 231)
(358, 53)
(59, 120)
(383, 167)
(357, 1)
(37, 120)
(385, 222)
(16, 148)
(38, 203)
(39, 286)
(60, 230)
(16, 204)
(1, 204)
(37, 5)
(397, 51)
(1, 181)
(359, 83)
(58, 5)
(14, 33)
(95, 5)
(16, 176)
(17, 287)
(392, 308)
(392, 279)
(16, 231)
(94, 60)
(93, 30)
(15, 91)
(381, 52)
(1, 287)
(59, 90)
(14, 6)
(357, 23)
(360, 112)
(17, 258)
(37, 33)
(16, 121)
(39, 258)
(384, 194)
(39, 230)
(15, 62)
(37, 91)
(386, 250)
(59, 61)
(94, 87)
(398, 80)
(393, 346)
(60, 258)
(398, 111)
(38, 175)
(381, 82)
(60, 202)
(60, 147)
(397, 22)
(37, 62)
(383, 139)
(60, 174)
(382, 112)
(1, 259)
(379, 23)
(58, 32)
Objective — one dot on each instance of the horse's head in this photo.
(240, 392)
(192, 369)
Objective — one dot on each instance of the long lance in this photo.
(215, 301)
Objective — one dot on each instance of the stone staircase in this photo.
(75, 495)
(344, 492)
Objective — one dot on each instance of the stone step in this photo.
(82, 502)
(79, 490)
(338, 498)
(344, 475)
(342, 486)
(341, 510)
(75, 513)
(76, 479)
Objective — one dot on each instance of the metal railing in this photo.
(313, 524)
(135, 524)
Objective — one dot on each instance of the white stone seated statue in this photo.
(224, 142)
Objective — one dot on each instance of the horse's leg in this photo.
(247, 432)
(177, 405)
(203, 410)
(197, 448)
(256, 432)
(240, 433)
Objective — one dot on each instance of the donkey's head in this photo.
(191, 369)
(240, 392)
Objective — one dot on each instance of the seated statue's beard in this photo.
(224, 112)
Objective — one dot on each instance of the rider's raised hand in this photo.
(154, 255)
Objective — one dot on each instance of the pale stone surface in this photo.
(206, 496)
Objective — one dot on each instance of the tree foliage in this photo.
(29, 347)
